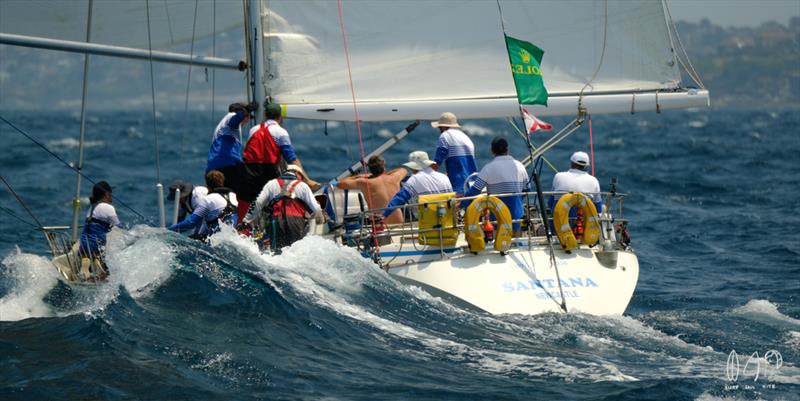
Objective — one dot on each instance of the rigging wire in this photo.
(169, 21)
(12, 214)
(21, 202)
(188, 86)
(70, 166)
(357, 119)
(512, 122)
(689, 70)
(602, 55)
(591, 143)
(153, 92)
(213, 54)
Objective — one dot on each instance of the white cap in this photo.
(447, 120)
(580, 158)
(418, 160)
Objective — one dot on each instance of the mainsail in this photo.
(415, 59)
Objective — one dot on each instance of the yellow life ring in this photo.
(591, 226)
(473, 230)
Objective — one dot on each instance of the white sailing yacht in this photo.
(406, 61)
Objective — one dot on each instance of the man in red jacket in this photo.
(269, 144)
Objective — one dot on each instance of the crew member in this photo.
(503, 175)
(379, 186)
(283, 208)
(268, 146)
(455, 151)
(577, 179)
(190, 197)
(424, 181)
(101, 218)
(218, 206)
(225, 154)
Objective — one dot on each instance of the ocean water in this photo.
(713, 200)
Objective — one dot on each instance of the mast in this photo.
(76, 203)
(256, 53)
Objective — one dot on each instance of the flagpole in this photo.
(539, 195)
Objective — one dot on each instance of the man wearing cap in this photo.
(190, 197)
(455, 151)
(425, 181)
(283, 207)
(268, 145)
(225, 154)
(503, 175)
(576, 179)
(379, 186)
(218, 205)
(101, 218)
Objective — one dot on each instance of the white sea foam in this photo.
(766, 312)
(385, 133)
(72, 143)
(138, 261)
(30, 278)
(477, 130)
(329, 275)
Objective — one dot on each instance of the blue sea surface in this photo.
(713, 204)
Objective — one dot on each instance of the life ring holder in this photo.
(591, 225)
(472, 227)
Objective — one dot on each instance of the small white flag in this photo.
(533, 124)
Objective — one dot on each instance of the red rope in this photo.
(355, 112)
(591, 143)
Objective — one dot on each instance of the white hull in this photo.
(523, 281)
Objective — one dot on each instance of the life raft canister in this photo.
(591, 227)
(472, 226)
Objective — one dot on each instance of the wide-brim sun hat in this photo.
(447, 120)
(418, 160)
(580, 158)
(185, 187)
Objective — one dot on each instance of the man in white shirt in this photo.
(219, 205)
(577, 179)
(454, 151)
(425, 181)
(283, 207)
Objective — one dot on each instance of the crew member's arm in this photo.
(193, 221)
(354, 182)
(402, 197)
(398, 174)
(235, 121)
(269, 192)
(441, 151)
(475, 189)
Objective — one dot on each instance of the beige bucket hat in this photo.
(447, 120)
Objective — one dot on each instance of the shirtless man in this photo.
(379, 187)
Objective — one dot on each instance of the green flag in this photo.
(526, 61)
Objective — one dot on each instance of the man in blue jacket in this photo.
(225, 154)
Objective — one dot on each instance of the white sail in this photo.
(413, 59)
(120, 22)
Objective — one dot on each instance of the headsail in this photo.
(415, 59)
